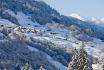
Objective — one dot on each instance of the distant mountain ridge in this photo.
(93, 20)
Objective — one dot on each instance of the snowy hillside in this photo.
(61, 38)
(36, 12)
(23, 19)
(32, 32)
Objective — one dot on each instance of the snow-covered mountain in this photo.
(33, 32)
(96, 21)
(36, 12)
(92, 20)
(75, 15)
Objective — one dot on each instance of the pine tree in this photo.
(80, 60)
(27, 67)
(73, 64)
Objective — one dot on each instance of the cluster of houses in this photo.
(38, 30)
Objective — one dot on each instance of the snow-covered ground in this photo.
(95, 66)
(33, 49)
(5, 22)
(93, 51)
(39, 0)
(22, 18)
(57, 64)
(59, 39)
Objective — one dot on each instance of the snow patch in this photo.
(102, 20)
(50, 59)
(93, 51)
(75, 15)
(95, 66)
(22, 18)
(57, 64)
(33, 49)
(39, 0)
(5, 22)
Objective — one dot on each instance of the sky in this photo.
(86, 8)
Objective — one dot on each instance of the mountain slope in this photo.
(38, 12)
(32, 32)
(46, 46)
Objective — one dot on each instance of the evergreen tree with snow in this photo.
(101, 62)
(80, 60)
(27, 67)
(41, 68)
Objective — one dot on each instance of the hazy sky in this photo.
(86, 8)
